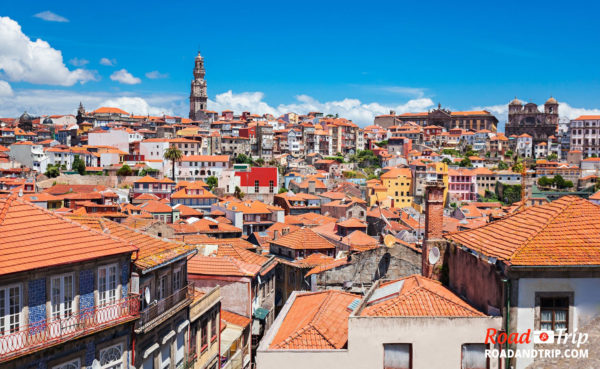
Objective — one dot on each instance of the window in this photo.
(397, 356)
(256, 186)
(177, 280)
(271, 186)
(112, 357)
(473, 356)
(73, 364)
(554, 313)
(213, 325)
(204, 335)
(162, 287)
(165, 356)
(10, 309)
(107, 284)
(180, 351)
(61, 297)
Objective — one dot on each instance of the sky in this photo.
(356, 59)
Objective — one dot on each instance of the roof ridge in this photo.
(535, 234)
(9, 199)
(470, 308)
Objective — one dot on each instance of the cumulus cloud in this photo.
(156, 75)
(22, 59)
(359, 112)
(123, 76)
(108, 62)
(5, 89)
(62, 101)
(50, 17)
(79, 62)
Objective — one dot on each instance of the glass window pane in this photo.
(396, 356)
(473, 356)
(560, 315)
(546, 315)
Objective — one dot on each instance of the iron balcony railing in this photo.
(49, 332)
(169, 303)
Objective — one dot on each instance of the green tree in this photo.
(447, 161)
(502, 165)
(552, 157)
(509, 153)
(147, 171)
(174, 155)
(238, 194)
(282, 190)
(78, 165)
(545, 181)
(212, 182)
(518, 167)
(243, 159)
(466, 162)
(52, 171)
(366, 159)
(124, 171)
(260, 162)
(382, 143)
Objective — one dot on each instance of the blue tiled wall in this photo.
(86, 290)
(125, 278)
(37, 301)
(90, 352)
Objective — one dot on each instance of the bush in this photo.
(124, 171)
(78, 165)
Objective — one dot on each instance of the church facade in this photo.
(527, 118)
(198, 96)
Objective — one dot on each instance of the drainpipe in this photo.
(507, 323)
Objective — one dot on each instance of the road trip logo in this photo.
(499, 341)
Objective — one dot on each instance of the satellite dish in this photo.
(147, 295)
(389, 240)
(96, 364)
(434, 255)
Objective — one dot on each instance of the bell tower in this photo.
(198, 96)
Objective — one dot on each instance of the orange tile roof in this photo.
(148, 179)
(107, 110)
(417, 296)
(154, 206)
(563, 232)
(315, 321)
(328, 266)
(34, 238)
(206, 158)
(153, 251)
(235, 319)
(303, 239)
(199, 239)
(352, 223)
(221, 266)
(397, 172)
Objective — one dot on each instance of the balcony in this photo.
(51, 332)
(161, 310)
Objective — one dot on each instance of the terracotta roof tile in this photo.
(563, 232)
(303, 239)
(33, 238)
(417, 296)
(315, 321)
(235, 319)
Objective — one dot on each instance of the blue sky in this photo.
(401, 55)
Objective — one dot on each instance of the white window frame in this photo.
(5, 316)
(107, 295)
(177, 277)
(161, 287)
(112, 364)
(63, 311)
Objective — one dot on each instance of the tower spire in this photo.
(198, 95)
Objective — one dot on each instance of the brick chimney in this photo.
(434, 222)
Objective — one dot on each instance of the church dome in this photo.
(516, 102)
(551, 100)
(48, 120)
(25, 118)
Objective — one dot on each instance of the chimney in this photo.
(311, 187)
(275, 234)
(434, 221)
(285, 231)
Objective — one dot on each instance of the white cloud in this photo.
(566, 110)
(79, 62)
(50, 17)
(402, 90)
(123, 76)
(354, 109)
(136, 105)
(61, 101)
(108, 62)
(22, 59)
(5, 89)
(156, 75)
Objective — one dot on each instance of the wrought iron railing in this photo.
(160, 307)
(49, 332)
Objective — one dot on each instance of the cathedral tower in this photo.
(198, 95)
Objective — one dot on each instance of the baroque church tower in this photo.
(198, 96)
